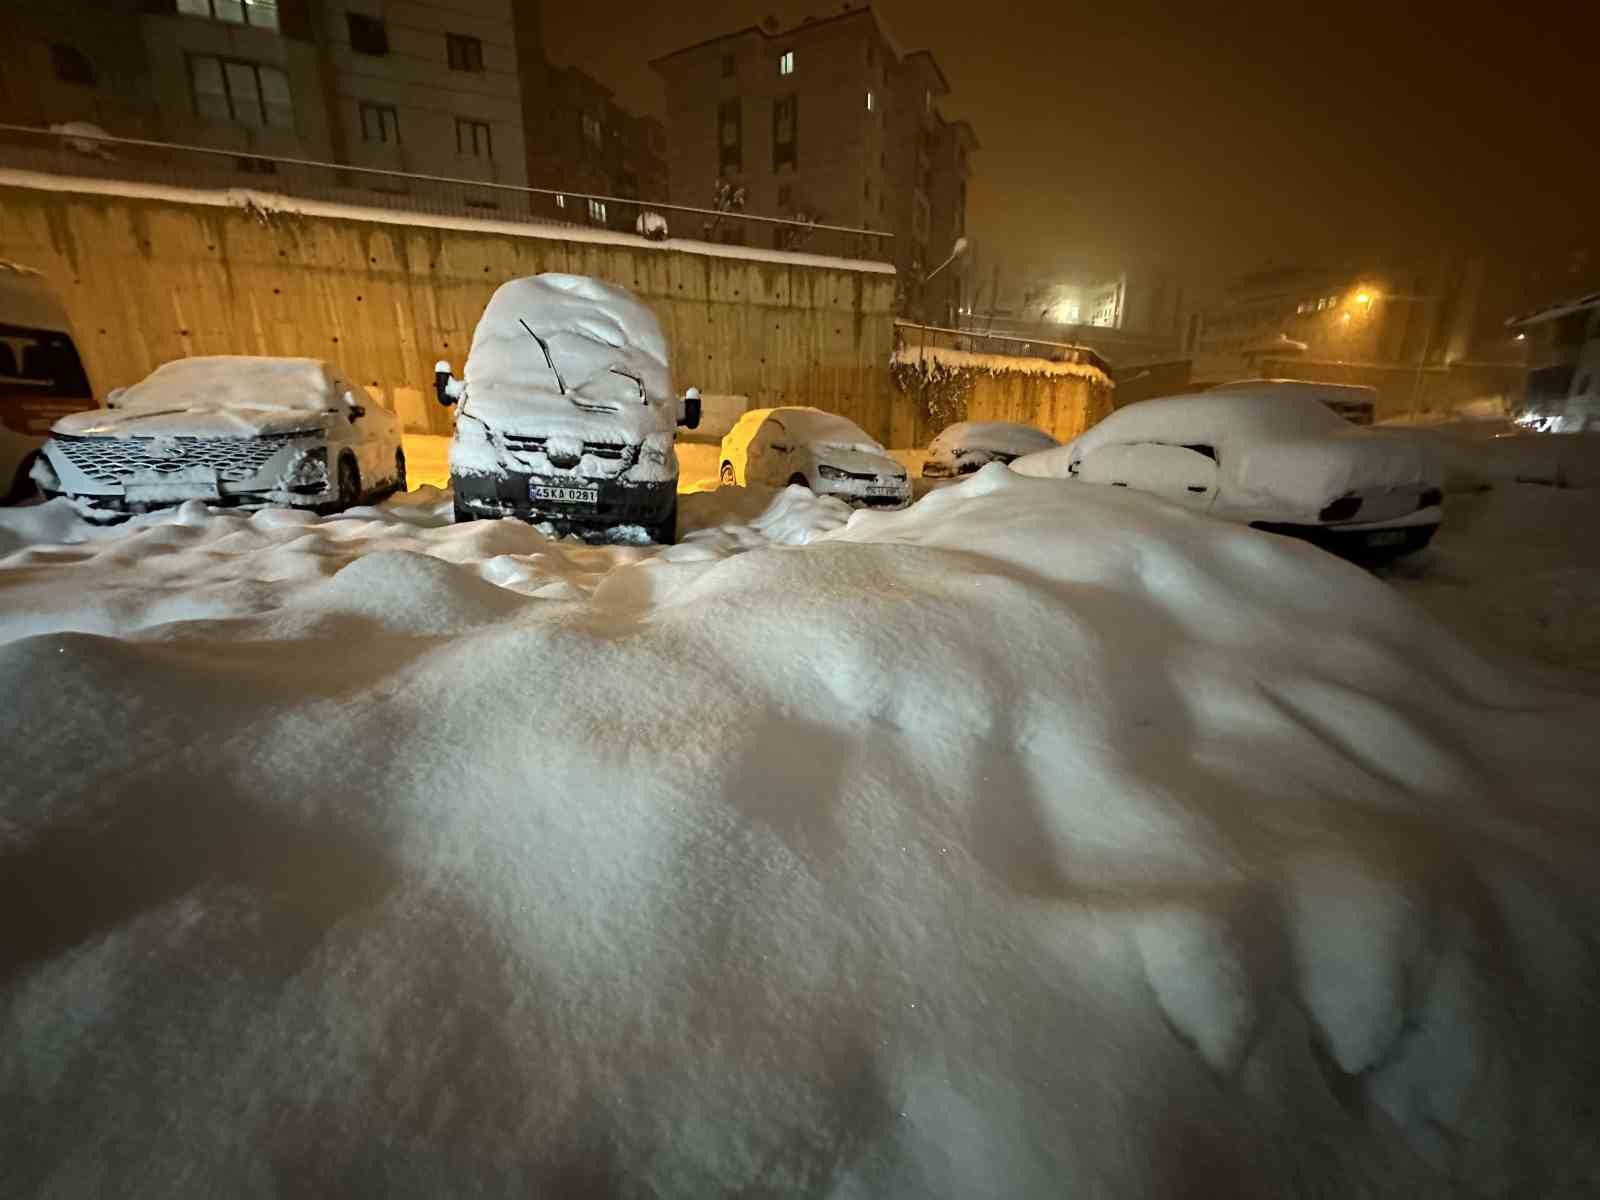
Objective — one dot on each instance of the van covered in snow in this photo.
(41, 377)
(567, 413)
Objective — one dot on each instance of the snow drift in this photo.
(1032, 841)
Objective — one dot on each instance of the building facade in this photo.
(1561, 392)
(827, 121)
(416, 86)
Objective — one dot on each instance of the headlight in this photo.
(828, 472)
(308, 470)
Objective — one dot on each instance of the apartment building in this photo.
(830, 121)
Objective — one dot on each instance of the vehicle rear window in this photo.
(44, 361)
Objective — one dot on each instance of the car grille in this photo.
(615, 451)
(106, 460)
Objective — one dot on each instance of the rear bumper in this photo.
(617, 503)
(1361, 543)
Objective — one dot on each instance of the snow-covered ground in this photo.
(1037, 840)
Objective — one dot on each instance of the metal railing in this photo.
(912, 335)
(103, 156)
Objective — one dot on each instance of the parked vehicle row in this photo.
(567, 415)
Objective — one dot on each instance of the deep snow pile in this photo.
(1035, 840)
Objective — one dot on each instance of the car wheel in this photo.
(400, 471)
(23, 487)
(464, 514)
(799, 480)
(349, 483)
(665, 531)
(728, 479)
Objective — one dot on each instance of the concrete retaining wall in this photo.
(1062, 405)
(146, 280)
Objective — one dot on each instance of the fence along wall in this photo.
(146, 280)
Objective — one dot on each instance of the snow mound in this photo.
(1029, 841)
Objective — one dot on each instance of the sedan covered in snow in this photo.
(229, 431)
(814, 449)
(567, 413)
(964, 447)
(1277, 459)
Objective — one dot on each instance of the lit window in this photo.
(786, 63)
(872, 102)
(597, 212)
(1322, 303)
(1333, 302)
(262, 14)
(561, 201)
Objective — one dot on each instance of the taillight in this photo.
(1341, 509)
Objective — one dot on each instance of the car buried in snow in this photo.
(231, 431)
(567, 415)
(1275, 458)
(812, 449)
(963, 448)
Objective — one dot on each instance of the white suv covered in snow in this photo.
(1274, 457)
(817, 450)
(567, 414)
(230, 431)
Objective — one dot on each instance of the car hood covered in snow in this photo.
(857, 460)
(217, 396)
(606, 378)
(998, 438)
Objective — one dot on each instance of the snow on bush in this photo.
(933, 361)
(1031, 841)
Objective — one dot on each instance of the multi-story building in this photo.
(1562, 390)
(422, 86)
(582, 140)
(827, 121)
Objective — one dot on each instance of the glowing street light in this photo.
(1363, 298)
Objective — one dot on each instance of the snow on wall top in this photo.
(930, 359)
(270, 202)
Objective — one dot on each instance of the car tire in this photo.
(665, 531)
(464, 515)
(400, 472)
(23, 488)
(727, 477)
(349, 483)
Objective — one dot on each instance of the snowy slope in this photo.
(1033, 841)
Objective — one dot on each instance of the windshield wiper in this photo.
(638, 382)
(549, 362)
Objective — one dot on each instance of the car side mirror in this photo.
(690, 418)
(445, 385)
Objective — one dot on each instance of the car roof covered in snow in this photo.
(1221, 415)
(1004, 437)
(593, 330)
(236, 381)
(816, 427)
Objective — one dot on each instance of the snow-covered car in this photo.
(964, 447)
(1355, 402)
(232, 431)
(41, 377)
(817, 450)
(1274, 458)
(567, 413)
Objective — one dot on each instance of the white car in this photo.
(230, 431)
(968, 445)
(814, 449)
(1277, 459)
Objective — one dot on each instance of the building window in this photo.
(730, 136)
(262, 14)
(472, 138)
(872, 102)
(465, 53)
(785, 119)
(71, 65)
(597, 212)
(561, 201)
(729, 66)
(368, 35)
(786, 63)
(227, 89)
(380, 123)
(594, 133)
